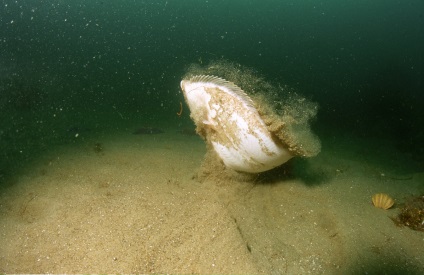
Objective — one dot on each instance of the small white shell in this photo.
(227, 118)
(382, 201)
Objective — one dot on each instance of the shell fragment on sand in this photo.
(382, 201)
(226, 117)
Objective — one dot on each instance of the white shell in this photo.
(226, 116)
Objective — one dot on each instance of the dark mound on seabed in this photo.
(412, 213)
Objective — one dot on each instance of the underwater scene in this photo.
(212, 136)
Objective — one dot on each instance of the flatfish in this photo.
(225, 116)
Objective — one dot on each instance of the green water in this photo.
(71, 70)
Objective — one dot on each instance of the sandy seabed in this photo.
(132, 204)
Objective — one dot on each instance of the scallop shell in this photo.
(226, 117)
(382, 201)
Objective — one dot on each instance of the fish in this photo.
(226, 117)
(187, 132)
